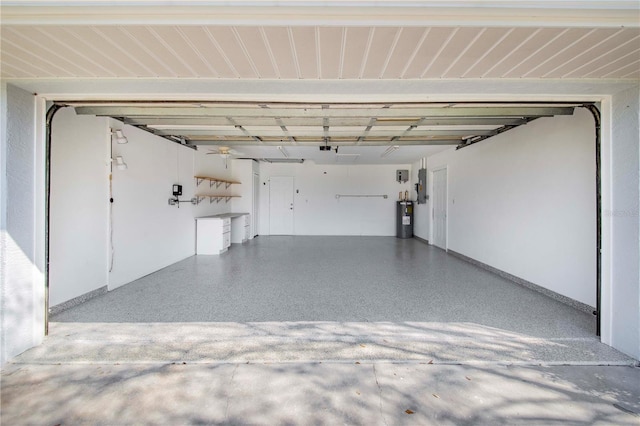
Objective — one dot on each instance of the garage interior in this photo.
(327, 248)
(123, 127)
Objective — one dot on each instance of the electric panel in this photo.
(421, 186)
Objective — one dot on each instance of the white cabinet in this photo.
(213, 235)
(240, 229)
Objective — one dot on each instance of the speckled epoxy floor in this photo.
(341, 279)
(321, 330)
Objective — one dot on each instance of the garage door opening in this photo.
(313, 264)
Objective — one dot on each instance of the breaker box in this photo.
(421, 186)
(402, 176)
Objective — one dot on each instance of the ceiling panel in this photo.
(355, 48)
(255, 46)
(22, 46)
(281, 48)
(317, 52)
(492, 56)
(523, 51)
(120, 43)
(457, 46)
(617, 67)
(379, 51)
(483, 44)
(626, 53)
(570, 51)
(182, 50)
(305, 46)
(231, 50)
(599, 47)
(16, 60)
(556, 47)
(149, 42)
(428, 51)
(82, 50)
(404, 51)
(331, 51)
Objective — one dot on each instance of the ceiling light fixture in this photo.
(390, 150)
(283, 151)
(118, 136)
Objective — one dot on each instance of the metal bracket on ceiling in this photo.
(179, 140)
(475, 139)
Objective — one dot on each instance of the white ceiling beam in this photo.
(332, 12)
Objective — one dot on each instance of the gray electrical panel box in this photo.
(402, 175)
(421, 186)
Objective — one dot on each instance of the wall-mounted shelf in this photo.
(214, 181)
(216, 197)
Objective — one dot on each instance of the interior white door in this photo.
(439, 214)
(281, 205)
(255, 204)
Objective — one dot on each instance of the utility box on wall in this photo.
(402, 176)
(421, 186)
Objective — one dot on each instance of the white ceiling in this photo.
(306, 42)
(314, 52)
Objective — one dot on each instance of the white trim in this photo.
(446, 206)
(545, 13)
(39, 191)
(440, 90)
(606, 282)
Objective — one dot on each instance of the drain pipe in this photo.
(47, 205)
(597, 119)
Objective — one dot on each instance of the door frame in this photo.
(255, 204)
(446, 207)
(605, 187)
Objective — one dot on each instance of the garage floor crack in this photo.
(375, 374)
(230, 393)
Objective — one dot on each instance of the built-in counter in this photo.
(214, 234)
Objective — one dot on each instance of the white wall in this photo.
(524, 202)
(79, 205)
(21, 275)
(148, 233)
(318, 212)
(621, 223)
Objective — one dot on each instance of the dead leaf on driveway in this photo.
(408, 411)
